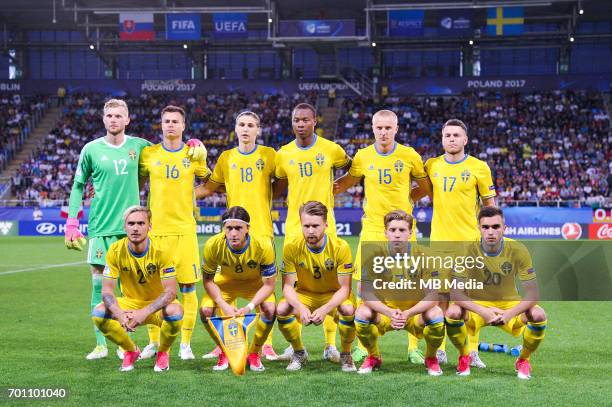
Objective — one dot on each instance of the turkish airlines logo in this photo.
(46, 228)
(602, 231)
(571, 231)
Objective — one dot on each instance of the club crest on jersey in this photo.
(99, 253)
(252, 263)
(301, 264)
(506, 268)
(259, 164)
(151, 268)
(320, 159)
(132, 154)
(233, 328)
(186, 162)
(435, 175)
(291, 162)
(158, 163)
(329, 264)
(234, 166)
(399, 166)
(465, 176)
(371, 168)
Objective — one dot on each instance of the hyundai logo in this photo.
(46, 228)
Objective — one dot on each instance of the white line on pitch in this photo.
(50, 266)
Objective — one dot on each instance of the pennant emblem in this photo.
(231, 334)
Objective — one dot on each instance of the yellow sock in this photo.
(113, 330)
(433, 334)
(329, 328)
(443, 344)
(359, 344)
(532, 337)
(291, 330)
(473, 341)
(190, 310)
(262, 331)
(368, 336)
(413, 342)
(346, 326)
(269, 338)
(170, 328)
(154, 333)
(457, 333)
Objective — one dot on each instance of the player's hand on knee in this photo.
(73, 238)
(197, 151)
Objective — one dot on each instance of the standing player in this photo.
(171, 199)
(306, 167)
(320, 266)
(389, 169)
(459, 182)
(148, 286)
(419, 313)
(247, 173)
(499, 303)
(246, 270)
(112, 163)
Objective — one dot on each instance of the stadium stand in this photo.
(542, 148)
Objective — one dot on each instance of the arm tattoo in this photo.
(109, 300)
(164, 299)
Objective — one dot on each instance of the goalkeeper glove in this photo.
(197, 151)
(73, 238)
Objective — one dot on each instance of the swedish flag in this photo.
(505, 21)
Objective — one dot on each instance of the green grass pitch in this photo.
(46, 331)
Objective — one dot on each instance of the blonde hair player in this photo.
(148, 287)
(246, 173)
(388, 169)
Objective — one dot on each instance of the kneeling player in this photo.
(320, 266)
(148, 284)
(496, 301)
(420, 315)
(247, 271)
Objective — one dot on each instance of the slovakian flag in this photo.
(64, 212)
(231, 334)
(136, 27)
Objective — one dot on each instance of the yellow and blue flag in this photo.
(505, 20)
(232, 335)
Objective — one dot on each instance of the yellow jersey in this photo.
(310, 174)
(457, 189)
(388, 180)
(245, 267)
(498, 271)
(141, 275)
(171, 181)
(248, 182)
(317, 271)
(423, 267)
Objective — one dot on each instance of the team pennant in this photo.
(232, 335)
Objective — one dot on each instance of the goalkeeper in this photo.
(112, 163)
